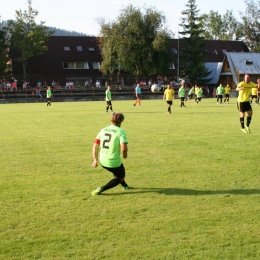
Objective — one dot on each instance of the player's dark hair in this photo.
(117, 118)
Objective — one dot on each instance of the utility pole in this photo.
(178, 59)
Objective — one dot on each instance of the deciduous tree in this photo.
(251, 25)
(4, 54)
(28, 38)
(221, 27)
(138, 42)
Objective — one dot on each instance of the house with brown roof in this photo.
(78, 58)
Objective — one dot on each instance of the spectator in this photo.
(24, 84)
(118, 85)
(28, 85)
(14, 85)
(38, 92)
(8, 86)
(54, 85)
(106, 84)
(165, 80)
(3, 85)
(98, 84)
(67, 86)
(45, 85)
(72, 86)
(39, 84)
(86, 83)
(58, 85)
(149, 84)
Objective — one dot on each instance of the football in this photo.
(154, 88)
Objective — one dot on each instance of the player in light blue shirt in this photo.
(138, 93)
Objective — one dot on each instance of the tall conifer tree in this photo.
(193, 55)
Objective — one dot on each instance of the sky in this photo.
(81, 15)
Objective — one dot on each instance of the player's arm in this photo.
(124, 149)
(95, 153)
(239, 87)
(258, 83)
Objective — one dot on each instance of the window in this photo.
(79, 65)
(75, 65)
(91, 49)
(96, 65)
(171, 66)
(249, 62)
(66, 48)
(68, 65)
(79, 48)
(174, 51)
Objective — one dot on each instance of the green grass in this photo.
(196, 179)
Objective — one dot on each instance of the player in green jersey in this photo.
(243, 104)
(181, 94)
(112, 141)
(219, 92)
(191, 92)
(199, 95)
(49, 95)
(109, 99)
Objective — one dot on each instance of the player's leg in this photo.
(248, 120)
(139, 100)
(119, 171)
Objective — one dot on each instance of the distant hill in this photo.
(62, 32)
(58, 32)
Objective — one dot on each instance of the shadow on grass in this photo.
(187, 192)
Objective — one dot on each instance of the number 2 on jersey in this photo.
(106, 142)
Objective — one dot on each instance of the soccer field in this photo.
(195, 176)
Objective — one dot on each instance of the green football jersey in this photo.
(182, 92)
(49, 93)
(192, 91)
(111, 138)
(200, 92)
(220, 90)
(108, 95)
